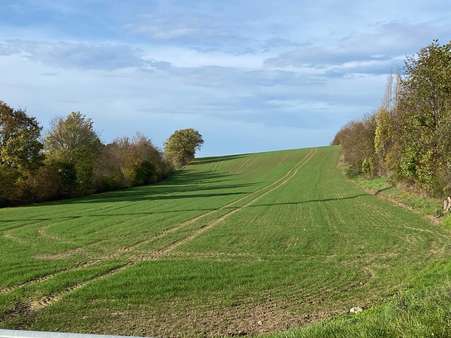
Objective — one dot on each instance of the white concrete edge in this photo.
(43, 334)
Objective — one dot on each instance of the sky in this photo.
(250, 75)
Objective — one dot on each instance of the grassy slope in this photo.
(298, 245)
(421, 309)
(424, 205)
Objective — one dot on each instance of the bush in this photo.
(45, 184)
(357, 141)
(127, 162)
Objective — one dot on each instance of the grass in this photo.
(424, 205)
(244, 244)
(422, 310)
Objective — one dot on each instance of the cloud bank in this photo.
(249, 75)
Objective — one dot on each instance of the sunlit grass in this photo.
(243, 244)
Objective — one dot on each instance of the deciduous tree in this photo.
(73, 141)
(425, 116)
(20, 147)
(181, 146)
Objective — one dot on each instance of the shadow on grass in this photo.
(131, 198)
(311, 201)
(167, 193)
(183, 181)
(131, 214)
(382, 190)
(216, 159)
(137, 197)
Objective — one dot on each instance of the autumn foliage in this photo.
(72, 161)
(409, 137)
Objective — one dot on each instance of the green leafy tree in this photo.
(20, 153)
(73, 142)
(181, 147)
(425, 117)
(20, 147)
(412, 132)
(8, 188)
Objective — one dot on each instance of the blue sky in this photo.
(250, 75)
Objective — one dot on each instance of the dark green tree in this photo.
(20, 153)
(20, 147)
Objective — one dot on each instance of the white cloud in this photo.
(75, 54)
(379, 51)
(237, 70)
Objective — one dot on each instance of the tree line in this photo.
(408, 138)
(70, 160)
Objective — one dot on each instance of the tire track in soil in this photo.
(134, 260)
(43, 232)
(50, 299)
(115, 255)
(207, 227)
(191, 221)
(367, 273)
(195, 219)
(164, 233)
(44, 278)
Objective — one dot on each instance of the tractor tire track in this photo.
(211, 225)
(134, 260)
(50, 299)
(191, 221)
(46, 277)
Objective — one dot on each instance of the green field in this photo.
(243, 244)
